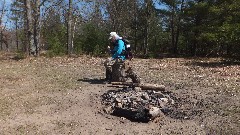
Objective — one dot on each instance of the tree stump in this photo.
(109, 73)
(118, 71)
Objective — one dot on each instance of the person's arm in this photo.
(118, 49)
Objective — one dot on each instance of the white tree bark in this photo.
(1, 17)
(69, 29)
(37, 27)
(32, 47)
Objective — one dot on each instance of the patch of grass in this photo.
(60, 125)
(26, 129)
(30, 105)
(51, 54)
(19, 56)
(223, 128)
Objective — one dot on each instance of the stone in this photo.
(145, 96)
(119, 105)
(155, 112)
(118, 100)
(159, 94)
(108, 109)
(161, 103)
(164, 100)
(145, 104)
(137, 89)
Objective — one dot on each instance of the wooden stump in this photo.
(118, 72)
(109, 73)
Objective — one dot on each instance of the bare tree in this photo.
(37, 26)
(4, 34)
(69, 28)
(1, 18)
(120, 15)
(32, 48)
(32, 10)
(178, 28)
(146, 29)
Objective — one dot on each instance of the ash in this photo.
(136, 104)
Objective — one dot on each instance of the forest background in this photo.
(155, 28)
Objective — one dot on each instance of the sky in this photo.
(8, 1)
(7, 22)
(5, 19)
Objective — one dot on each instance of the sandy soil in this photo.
(62, 95)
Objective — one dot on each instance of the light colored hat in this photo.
(112, 34)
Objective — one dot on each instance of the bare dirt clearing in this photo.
(62, 95)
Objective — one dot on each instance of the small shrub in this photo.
(19, 56)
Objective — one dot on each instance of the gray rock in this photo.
(108, 109)
(145, 97)
(118, 100)
(137, 89)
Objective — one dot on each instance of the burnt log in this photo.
(143, 86)
(142, 114)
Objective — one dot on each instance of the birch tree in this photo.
(69, 28)
(2, 9)
(30, 38)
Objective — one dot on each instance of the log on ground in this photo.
(143, 86)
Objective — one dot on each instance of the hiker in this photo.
(119, 46)
(117, 54)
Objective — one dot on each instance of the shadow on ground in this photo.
(214, 64)
(93, 80)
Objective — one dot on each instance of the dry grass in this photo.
(46, 95)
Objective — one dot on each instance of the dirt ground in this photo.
(62, 95)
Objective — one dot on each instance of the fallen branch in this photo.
(143, 86)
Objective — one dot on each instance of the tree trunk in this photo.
(37, 27)
(172, 32)
(25, 43)
(196, 34)
(1, 28)
(69, 28)
(229, 48)
(178, 29)
(32, 48)
(3, 12)
(1, 38)
(147, 27)
(136, 26)
(16, 23)
(73, 31)
(197, 22)
(118, 73)
(146, 39)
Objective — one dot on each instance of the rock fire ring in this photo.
(136, 102)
